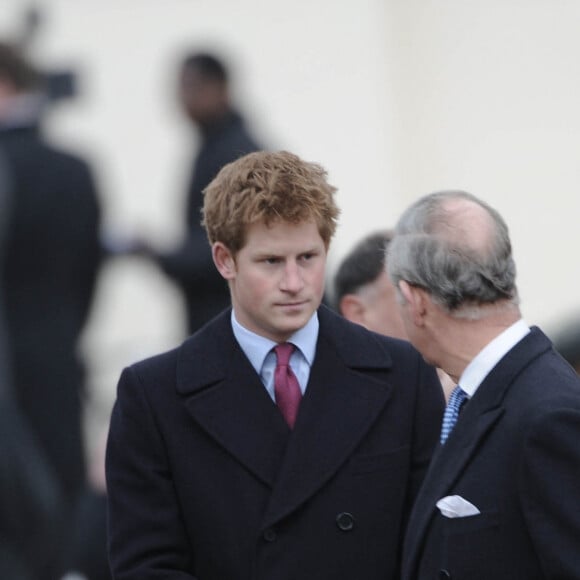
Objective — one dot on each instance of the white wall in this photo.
(395, 97)
(487, 100)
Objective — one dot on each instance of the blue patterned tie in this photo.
(457, 398)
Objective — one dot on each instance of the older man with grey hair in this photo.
(501, 497)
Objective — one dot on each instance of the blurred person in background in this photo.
(204, 92)
(363, 292)
(49, 268)
(30, 500)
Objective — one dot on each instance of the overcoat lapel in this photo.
(482, 414)
(447, 465)
(227, 399)
(342, 401)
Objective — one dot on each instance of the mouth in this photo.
(292, 305)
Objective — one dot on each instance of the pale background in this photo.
(396, 98)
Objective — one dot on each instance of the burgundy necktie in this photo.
(286, 387)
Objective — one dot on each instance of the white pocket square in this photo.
(454, 506)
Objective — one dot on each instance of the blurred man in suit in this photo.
(228, 460)
(205, 96)
(50, 261)
(29, 494)
(48, 265)
(501, 496)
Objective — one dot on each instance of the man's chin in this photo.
(288, 325)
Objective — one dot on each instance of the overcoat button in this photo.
(270, 535)
(444, 575)
(345, 521)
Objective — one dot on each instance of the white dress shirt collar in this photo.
(490, 355)
(257, 347)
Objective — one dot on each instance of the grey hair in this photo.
(432, 249)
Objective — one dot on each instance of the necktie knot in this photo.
(283, 353)
(456, 400)
(286, 388)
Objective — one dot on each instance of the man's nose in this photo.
(292, 280)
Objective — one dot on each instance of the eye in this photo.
(271, 260)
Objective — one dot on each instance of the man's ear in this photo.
(416, 299)
(352, 308)
(224, 260)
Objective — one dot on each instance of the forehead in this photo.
(281, 236)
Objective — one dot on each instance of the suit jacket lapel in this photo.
(479, 417)
(447, 465)
(339, 407)
(227, 399)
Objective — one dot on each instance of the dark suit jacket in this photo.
(206, 481)
(515, 455)
(49, 267)
(30, 504)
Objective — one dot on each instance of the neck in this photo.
(221, 116)
(462, 339)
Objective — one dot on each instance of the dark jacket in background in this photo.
(30, 501)
(49, 269)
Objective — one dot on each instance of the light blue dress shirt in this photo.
(259, 351)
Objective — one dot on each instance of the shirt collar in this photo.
(257, 347)
(490, 355)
